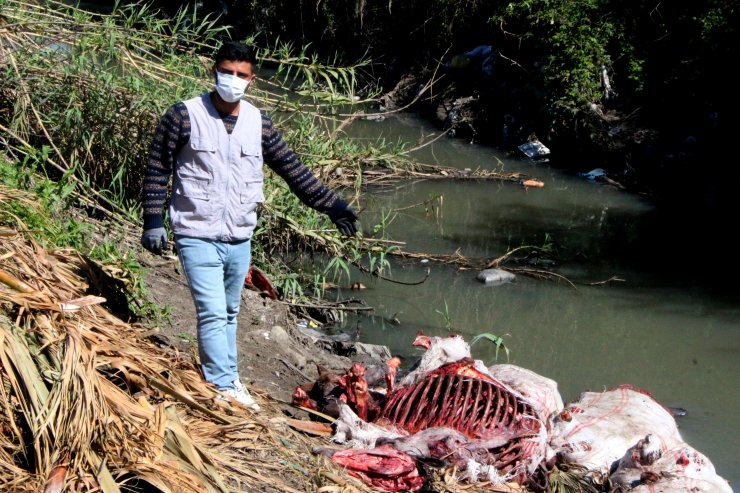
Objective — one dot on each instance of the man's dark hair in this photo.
(234, 51)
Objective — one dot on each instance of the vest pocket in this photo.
(193, 201)
(203, 145)
(193, 188)
(252, 193)
(250, 163)
(250, 196)
(252, 150)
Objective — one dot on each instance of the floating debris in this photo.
(534, 149)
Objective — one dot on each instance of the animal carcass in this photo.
(596, 430)
(460, 397)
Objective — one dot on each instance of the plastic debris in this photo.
(534, 149)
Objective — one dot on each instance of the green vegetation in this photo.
(667, 59)
(446, 317)
(40, 207)
(82, 94)
(497, 341)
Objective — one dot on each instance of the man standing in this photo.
(214, 146)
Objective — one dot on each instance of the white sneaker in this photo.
(240, 394)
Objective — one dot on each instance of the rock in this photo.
(280, 335)
(372, 351)
(495, 276)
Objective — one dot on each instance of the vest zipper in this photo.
(227, 181)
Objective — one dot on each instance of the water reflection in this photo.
(659, 330)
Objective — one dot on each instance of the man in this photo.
(214, 146)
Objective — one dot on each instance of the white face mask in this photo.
(230, 87)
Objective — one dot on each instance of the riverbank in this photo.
(274, 356)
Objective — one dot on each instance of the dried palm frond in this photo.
(87, 401)
(571, 478)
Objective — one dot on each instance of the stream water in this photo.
(660, 327)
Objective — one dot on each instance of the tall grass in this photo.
(81, 94)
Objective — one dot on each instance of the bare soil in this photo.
(275, 356)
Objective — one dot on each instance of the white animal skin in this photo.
(541, 391)
(645, 468)
(596, 430)
(357, 433)
(442, 350)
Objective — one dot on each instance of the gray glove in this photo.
(154, 240)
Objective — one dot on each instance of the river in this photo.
(669, 331)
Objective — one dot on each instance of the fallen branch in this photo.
(606, 281)
(333, 306)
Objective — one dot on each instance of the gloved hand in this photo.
(345, 221)
(154, 240)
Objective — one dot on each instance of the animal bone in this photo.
(357, 433)
(356, 389)
(460, 397)
(301, 398)
(390, 376)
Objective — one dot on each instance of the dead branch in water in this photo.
(475, 263)
(379, 174)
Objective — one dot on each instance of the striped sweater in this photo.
(173, 132)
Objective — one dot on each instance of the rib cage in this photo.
(458, 396)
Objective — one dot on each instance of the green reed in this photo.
(82, 92)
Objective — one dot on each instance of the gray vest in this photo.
(217, 184)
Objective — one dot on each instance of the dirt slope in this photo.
(274, 356)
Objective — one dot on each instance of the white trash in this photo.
(495, 276)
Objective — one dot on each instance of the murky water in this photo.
(660, 330)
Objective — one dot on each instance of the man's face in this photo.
(243, 70)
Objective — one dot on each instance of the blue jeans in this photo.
(215, 271)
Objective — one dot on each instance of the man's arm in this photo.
(301, 180)
(172, 133)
